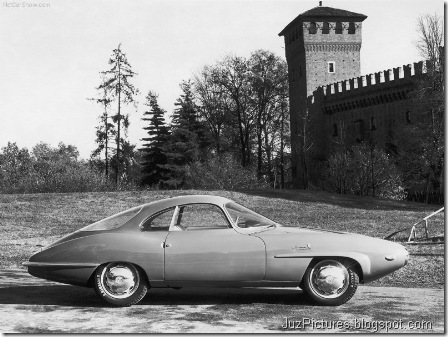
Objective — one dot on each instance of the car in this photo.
(211, 241)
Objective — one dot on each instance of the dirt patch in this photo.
(31, 305)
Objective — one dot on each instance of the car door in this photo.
(154, 231)
(202, 246)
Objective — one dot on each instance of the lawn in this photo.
(29, 220)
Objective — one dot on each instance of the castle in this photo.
(329, 97)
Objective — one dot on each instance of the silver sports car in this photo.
(210, 241)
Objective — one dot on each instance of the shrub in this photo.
(364, 171)
(49, 170)
(223, 173)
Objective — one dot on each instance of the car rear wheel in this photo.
(330, 282)
(121, 284)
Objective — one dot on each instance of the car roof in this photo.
(187, 199)
(159, 205)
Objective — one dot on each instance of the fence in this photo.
(413, 235)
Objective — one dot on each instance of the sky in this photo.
(51, 56)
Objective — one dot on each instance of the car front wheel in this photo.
(330, 282)
(121, 284)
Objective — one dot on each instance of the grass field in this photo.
(39, 219)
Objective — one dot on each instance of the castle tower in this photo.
(322, 46)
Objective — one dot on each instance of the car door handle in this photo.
(166, 245)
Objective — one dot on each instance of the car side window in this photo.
(200, 216)
(158, 222)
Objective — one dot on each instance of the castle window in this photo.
(359, 130)
(326, 28)
(408, 117)
(313, 28)
(372, 124)
(331, 67)
(351, 28)
(335, 130)
(338, 29)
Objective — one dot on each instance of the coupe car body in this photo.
(212, 241)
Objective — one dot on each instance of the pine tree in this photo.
(118, 85)
(188, 140)
(105, 130)
(180, 150)
(187, 116)
(153, 159)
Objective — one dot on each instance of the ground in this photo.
(410, 297)
(31, 305)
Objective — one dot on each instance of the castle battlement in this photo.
(374, 81)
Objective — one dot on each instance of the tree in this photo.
(186, 140)
(153, 157)
(279, 134)
(268, 80)
(180, 150)
(222, 172)
(105, 131)
(15, 166)
(232, 74)
(187, 116)
(118, 85)
(364, 170)
(213, 107)
(243, 102)
(421, 141)
(431, 37)
(130, 173)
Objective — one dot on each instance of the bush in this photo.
(49, 170)
(223, 173)
(363, 171)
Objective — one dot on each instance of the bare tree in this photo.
(421, 140)
(431, 30)
(213, 104)
(268, 79)
(232, 74)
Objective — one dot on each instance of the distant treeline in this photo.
(436, 198)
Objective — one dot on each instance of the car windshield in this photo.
(245, 218)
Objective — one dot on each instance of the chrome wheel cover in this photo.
(120, 280)
(329, 279)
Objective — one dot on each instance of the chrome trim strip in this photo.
(297, 255)
(60, 264)
(307, 253)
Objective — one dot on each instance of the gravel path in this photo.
(31, 305)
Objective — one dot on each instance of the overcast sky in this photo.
(51, 56)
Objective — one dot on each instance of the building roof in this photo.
(325, 12)
(321, 11)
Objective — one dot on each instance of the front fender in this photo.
(362, 259)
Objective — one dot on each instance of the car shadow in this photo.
(73, 296)
(210, 296)
(62, 295)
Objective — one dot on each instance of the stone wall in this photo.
(363, 108)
